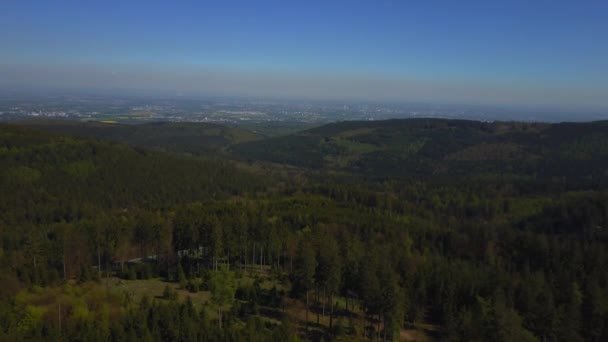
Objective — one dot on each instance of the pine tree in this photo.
(304, 272)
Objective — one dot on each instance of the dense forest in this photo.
(190, 138)
(394, 230)
(445, 149)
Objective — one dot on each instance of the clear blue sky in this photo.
(490, 51)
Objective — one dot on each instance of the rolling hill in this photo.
(95, 226)
(48, 175)
(194, 138)
(444, 148)
(407, 148)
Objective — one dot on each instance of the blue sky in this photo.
(545, 52)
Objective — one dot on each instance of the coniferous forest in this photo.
(391, 230)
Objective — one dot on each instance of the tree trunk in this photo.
(318, 305)
(378, 329)
(363, 320)
(384, 326)
(306, 310)
(331, 312)
(64, 272)
(282, 259)
(167, 264)
(99, 261)
(324, 301)
(219, 311)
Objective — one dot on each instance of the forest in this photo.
(400, 230)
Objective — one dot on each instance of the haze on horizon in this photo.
(473, 52)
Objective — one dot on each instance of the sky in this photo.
(499, 52)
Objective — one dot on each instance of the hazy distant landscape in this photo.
(303, 171)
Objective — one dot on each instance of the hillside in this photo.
(194, 138)
(206, 249)
(444, 148)
(49, 175)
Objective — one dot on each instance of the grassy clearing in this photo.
(354, 147)
(356, 132)
(153, 288)
(111, 294)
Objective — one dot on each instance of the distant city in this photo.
(130, 110)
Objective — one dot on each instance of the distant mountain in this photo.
(195, 138)
(444, 148)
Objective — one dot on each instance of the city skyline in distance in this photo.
(475, 53)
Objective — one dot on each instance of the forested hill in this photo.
(193, 138)
(49, 175)
(101, 241)
(445, 149)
